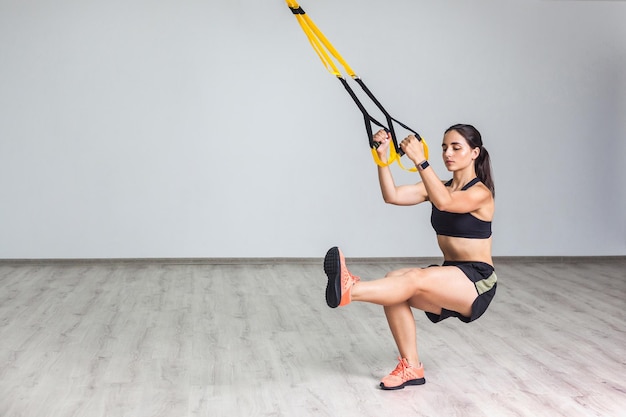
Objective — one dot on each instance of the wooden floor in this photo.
(192, 339)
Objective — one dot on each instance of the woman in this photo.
(462, 210)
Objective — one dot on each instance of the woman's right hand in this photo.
(384, 139)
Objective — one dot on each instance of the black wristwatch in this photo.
(423, 165)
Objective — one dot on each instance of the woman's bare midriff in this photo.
(463, 249)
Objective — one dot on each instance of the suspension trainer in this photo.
(324, 49)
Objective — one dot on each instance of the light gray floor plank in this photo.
(163, 339)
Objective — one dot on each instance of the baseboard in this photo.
(303, 261)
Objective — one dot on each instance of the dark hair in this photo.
(482, 164)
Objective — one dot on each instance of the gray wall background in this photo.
(210, 129)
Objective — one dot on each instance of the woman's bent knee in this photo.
(397, 273)
(414, 281)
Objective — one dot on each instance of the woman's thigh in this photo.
(443, 287)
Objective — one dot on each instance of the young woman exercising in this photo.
(462, 210)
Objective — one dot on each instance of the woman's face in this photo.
(456, 152)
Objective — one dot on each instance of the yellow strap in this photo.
(328, 45)
(320, 43)
(378, 161)
(393, 157)
(414, 169)
(318, 47)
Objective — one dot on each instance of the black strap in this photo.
(369, 119)
(469, 184)
(466, 186)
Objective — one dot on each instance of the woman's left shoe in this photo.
(403, 375)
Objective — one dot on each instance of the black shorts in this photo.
(485, 281)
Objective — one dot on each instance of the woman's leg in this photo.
(432, 291)
(428, 289)
(402, 325)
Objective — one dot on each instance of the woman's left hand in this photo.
(413, 148)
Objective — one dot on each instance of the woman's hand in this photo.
(383, 139)
(413, 148)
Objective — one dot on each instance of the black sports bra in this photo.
(460, 224)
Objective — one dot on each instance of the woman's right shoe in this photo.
(340, 280)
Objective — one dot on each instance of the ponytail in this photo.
(482, 164)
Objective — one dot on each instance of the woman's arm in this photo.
(441, 196)
(445, 199)
(404, 195)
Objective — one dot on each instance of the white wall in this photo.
(210, 129)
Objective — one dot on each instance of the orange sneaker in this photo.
(403, 375)
(340, 280)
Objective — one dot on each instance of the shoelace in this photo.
(401, 367)
(346, 277)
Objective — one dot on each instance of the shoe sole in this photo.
(332, 268)
(419, 381)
